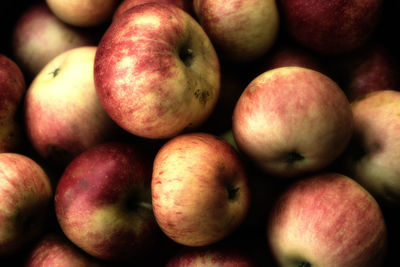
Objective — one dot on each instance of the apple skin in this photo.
(185, 5)
(372, 155)
(327, 220)
(241, 31)
(63, 116)
(54, 249)
(291, 121)
(12, 90)
(83, 13)
(220, 255)
(331, 27)
(199, 189)
(369, 69)
(38, 36)
(103, 202)
(156, 72)
(25, 202)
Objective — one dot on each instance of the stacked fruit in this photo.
(199, 133)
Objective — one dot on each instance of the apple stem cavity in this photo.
(186, 55)
(293, 157)
(232, 191)
(304, 264)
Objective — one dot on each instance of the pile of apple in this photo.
(199, 133)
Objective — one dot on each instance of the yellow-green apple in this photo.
(216, 255)
(54, 249)
(199, 189)
(240, 30)
(83, 13)
(38, 36)
(372, 155)
(63, 116)
(103, 202)
(327, 220)
(292, 121)
(25, 202)
(156, 71)
(186, 5)
(331, 27)
(369, 69)
(12, 90)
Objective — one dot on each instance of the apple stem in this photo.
(145, 205)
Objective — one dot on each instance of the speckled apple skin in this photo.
(25, 202)
(192, 176)
(327, 220)
(103, 202)
(331, 26)
(292, 109)
(141, 80)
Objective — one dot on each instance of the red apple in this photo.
(54, 249)
(185, 5)
(12, 90)
(331, 27)
(369, 69)
(291, 121)
(156, 72)
(199, 189)
(83, 13)
(240, 30)
(39, 36)
(221, 256)
(327, 220)
(103, 202)
(25, 201)
(373, 152)
(63, 116)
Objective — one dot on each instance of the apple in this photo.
(25, 201)
(241, 31)
(371, 68)
(327, 220)
(185, 5)
(156, 71)
(222, 256)
(54, 249)
(289, 54)
(62, 114)
(83, 13)
(331, 27)
(38, 36)
(103, 202)
(292, 121)
(199, 189)
(12, 90)
(372, 156)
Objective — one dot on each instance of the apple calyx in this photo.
(55, 72)
(292, 157)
